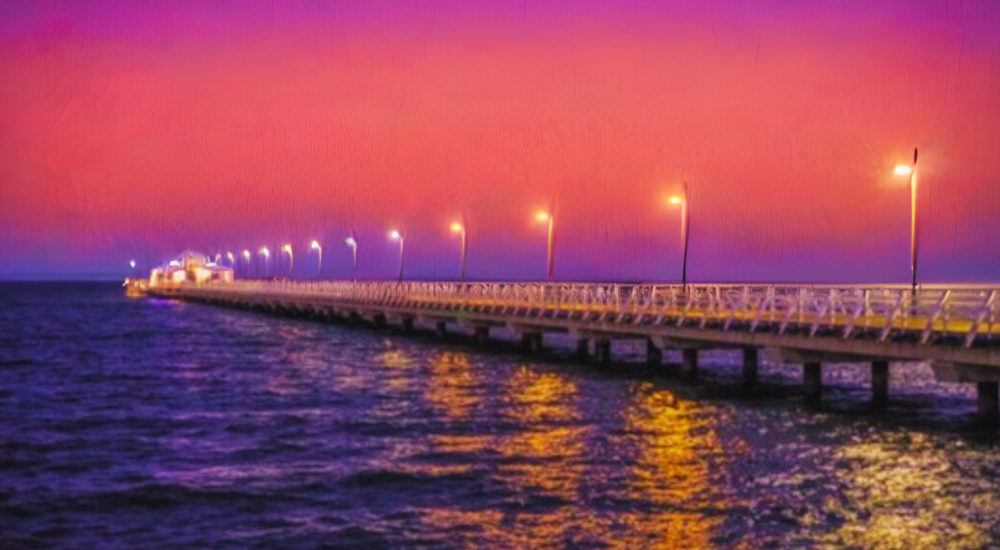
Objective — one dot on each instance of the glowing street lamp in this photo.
(131, 264)
(291, 259)
(319, 250)
(267, 258)
(232, 261)
(246, 256)
(396, 236)
(354, 251)
(551, 256)
(456, 228)
(904, 170)
(685, 221)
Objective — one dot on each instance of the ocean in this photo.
(145, 423)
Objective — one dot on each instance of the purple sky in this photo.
(139, 129)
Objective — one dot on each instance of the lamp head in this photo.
(456, 227)
(131, 264)
(287, 248)
(315, 245)
(246, 254)
(350, 241)
(542, 216)
(265, 251)
(676, 200)
(902, 170)
(394, 235)
(229, 255)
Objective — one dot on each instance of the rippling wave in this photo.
(155, 424)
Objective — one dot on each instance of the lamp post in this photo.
(267, 257)
(246, 256)
(459, 228)
(397, 236)
(902, 170)
(319, 264)
(551, 255)
(685, 221)
(291, 259)
(354, 253)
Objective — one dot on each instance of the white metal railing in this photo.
(965, 312)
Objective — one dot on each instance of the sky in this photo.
(138, 129)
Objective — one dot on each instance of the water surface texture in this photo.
(159, 424)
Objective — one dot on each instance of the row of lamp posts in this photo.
(549, 218)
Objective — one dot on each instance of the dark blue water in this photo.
(130, 423)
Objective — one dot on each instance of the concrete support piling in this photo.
(602, 350)
(654, 355)
(880, 381)
(379, 320)
(751, 362)
(582, 349)
(531, 342)
(407, 324)
(988, 399)
(812, 379)
(689, 361)
(482, 335)
(441, 329)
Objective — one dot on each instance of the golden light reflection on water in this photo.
(666, 449)
(903, 496)
(676, 451)
(396, 362)
(453, 391)
(546, 446)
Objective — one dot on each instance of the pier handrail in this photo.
(967, 314)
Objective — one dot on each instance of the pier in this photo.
(954, 327)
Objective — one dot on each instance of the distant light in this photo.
(456, 227)
(315, 245)
(265, 251)
(542, 216)
(131, 264)
(246, 254)
(675, 200)
(287, 248)
(394, 235)
(350, 241)
(229, 255)
(174, 263)
(210, 264)
(902, 170)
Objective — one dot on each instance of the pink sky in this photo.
(129, 131)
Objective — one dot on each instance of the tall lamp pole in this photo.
(354, 254)
(267, 258)
(291, 259)
(902, 170)
(551, 255)
(460, 228)
(319, 264)
(397, 236)
(685, 226)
